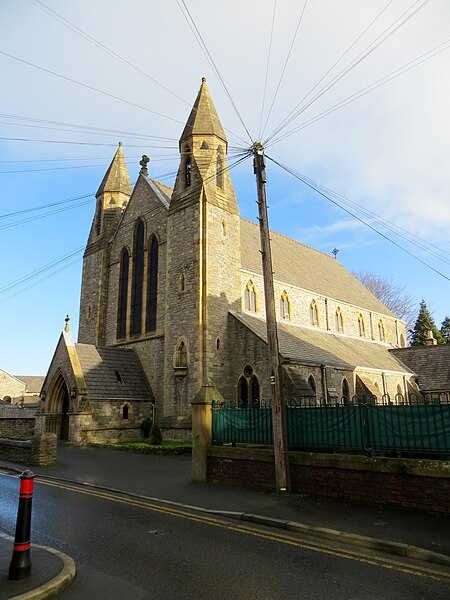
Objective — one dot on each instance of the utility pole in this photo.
(278, 409)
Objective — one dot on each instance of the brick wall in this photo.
(418, 484)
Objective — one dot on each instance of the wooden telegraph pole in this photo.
(278, 411)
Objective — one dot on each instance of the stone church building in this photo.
(172, 297)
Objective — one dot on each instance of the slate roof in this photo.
(306, 268)
(430, 363)
(99, 366)
(312, 346)
(33, 383)
(116, 178)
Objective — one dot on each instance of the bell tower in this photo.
(203, 266)
(111, 199)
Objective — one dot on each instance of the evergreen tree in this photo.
(424, 324)
(445, 330)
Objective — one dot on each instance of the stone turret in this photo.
(111, 199)
(203, 265)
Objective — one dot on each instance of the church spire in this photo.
(116, 179)
(203, 119)
(203, 169)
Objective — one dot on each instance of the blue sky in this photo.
(387, 151)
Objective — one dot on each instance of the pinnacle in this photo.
(116, 178)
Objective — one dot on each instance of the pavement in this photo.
(167, 479)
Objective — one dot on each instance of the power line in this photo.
(86, 130)
(90, 87)
(267, 67)
(362, 56)
(316, 189)
(42, 206)
(190, 21)
(13, 139)
(47, 214)
(53, 169)
(333, 66)
(285, 65)
(108, 50)
(376, 84)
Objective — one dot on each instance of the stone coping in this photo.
(403, 466)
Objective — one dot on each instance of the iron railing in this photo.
(412, 426)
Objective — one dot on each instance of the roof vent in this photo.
(118, 376)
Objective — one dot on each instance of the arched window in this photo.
(125, 412)
(250, 297)
(152, 284)
(138, 280)
(219, 168)
(345, 392)
(98, 218)
(312, 384)
(381, 331)
(249, 390)
(188, 168)
(181, 355)
(123, 295)
(285, 306)
(339, 321)
(399, 397)
(314, 314)
(361, 326)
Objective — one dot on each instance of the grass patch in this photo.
(164, 444)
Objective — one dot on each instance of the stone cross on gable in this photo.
(144, 162)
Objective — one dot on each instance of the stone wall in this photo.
(10, 386)
(300, 301)
(40, 450)
(16, 422)
(418, 484)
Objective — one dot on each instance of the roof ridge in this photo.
(290, 239)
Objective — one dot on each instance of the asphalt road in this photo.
(127, 548)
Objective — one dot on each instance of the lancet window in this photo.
(314, 314)
(250, 297)
(123, 295)
(138, 280)
(152, 284)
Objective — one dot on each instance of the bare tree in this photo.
(391, 294)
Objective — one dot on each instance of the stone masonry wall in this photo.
(300, 301)
(10, 386)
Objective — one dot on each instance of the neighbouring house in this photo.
(20, 389)
(172, 297)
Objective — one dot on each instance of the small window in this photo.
(219, 168)
(361, 326)
(188, 168)
(218, 345)
(125, 412)
(285, 306)
(89, 312)
(339, 321)
(250, 297)
(223, 227)
(314, 314)
(98, 218)
(381, 331)
(182, 283)
(118, 376)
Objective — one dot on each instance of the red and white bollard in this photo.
(20, 566)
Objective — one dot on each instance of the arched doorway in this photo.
(57, 409)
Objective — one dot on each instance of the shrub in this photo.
(146, 427)
(155, 438)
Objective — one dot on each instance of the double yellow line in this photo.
(282, 538)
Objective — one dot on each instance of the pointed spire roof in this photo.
(203, 119)
(116, 178)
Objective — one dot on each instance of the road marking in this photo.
(248, 530)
